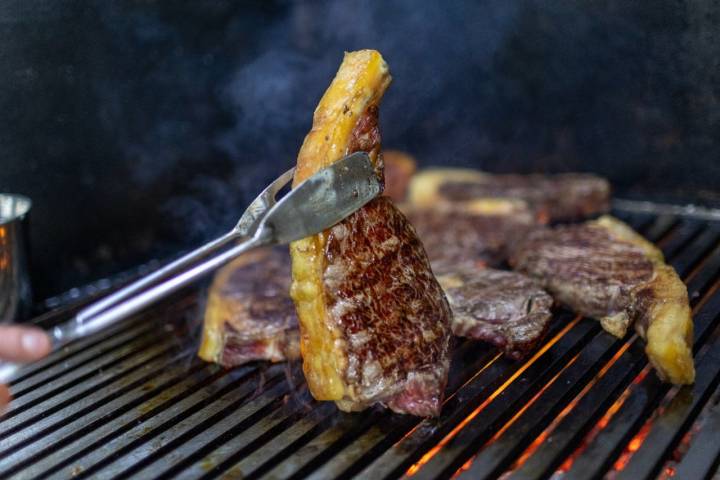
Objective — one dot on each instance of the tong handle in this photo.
(128, 301)
(158, 275)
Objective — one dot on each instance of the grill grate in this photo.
(134, 401)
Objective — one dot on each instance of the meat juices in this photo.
(605, 270)
(505, 309)
(568, 196)
(249, 315)
(374, 322)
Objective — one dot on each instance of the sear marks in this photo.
(505, 309)
(392, 314)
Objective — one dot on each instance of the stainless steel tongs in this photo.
(313, 206)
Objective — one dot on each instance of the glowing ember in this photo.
(464, 468)
(432, 452)
(632, 447)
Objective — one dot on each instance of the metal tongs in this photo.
(316, 204)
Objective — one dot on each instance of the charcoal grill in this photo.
(134, 402)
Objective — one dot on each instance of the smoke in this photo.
(223, 127)
(172, 116)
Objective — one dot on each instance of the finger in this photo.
(5, 398)
(23, 344)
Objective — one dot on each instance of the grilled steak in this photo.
(506, 309)
(249, 313)
(374, 322)
(605, 270)
(552, 197)
(399, 169)
(472, 234)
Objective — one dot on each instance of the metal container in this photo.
(15, 292)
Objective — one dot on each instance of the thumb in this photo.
(23, 344)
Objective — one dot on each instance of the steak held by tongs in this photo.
(605, 270)
(374, 322)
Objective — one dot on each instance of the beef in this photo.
(569, 196)
(249, 314)
(505, 309)
(389, 310)
(605, 270)
(374, 322)
(587, 269)
(470, 235)
(399, 169)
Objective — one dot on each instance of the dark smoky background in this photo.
(143, 128)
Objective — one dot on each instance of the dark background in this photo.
(141, 128)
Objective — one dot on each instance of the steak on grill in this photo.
(567, 196)
(506, 309)
(605, 270)
(374, 322)
(399, 169)
(249, 314)
(470, 235)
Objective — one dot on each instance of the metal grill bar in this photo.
(555, 445)
(703, 456)
(500, 453)
(133, 402)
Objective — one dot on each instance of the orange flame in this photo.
(433, 451)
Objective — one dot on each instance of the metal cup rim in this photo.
(25, 204)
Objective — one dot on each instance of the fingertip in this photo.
(35, 343)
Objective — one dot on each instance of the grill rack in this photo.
(134, 402)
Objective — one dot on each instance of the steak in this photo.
(249, 313)
(471, 235)
(399, 169)
(505, 309)
(605, 270)
(569, 196)
(374, 322)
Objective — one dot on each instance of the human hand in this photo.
(20, 344)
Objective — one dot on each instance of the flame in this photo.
(433, 451)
